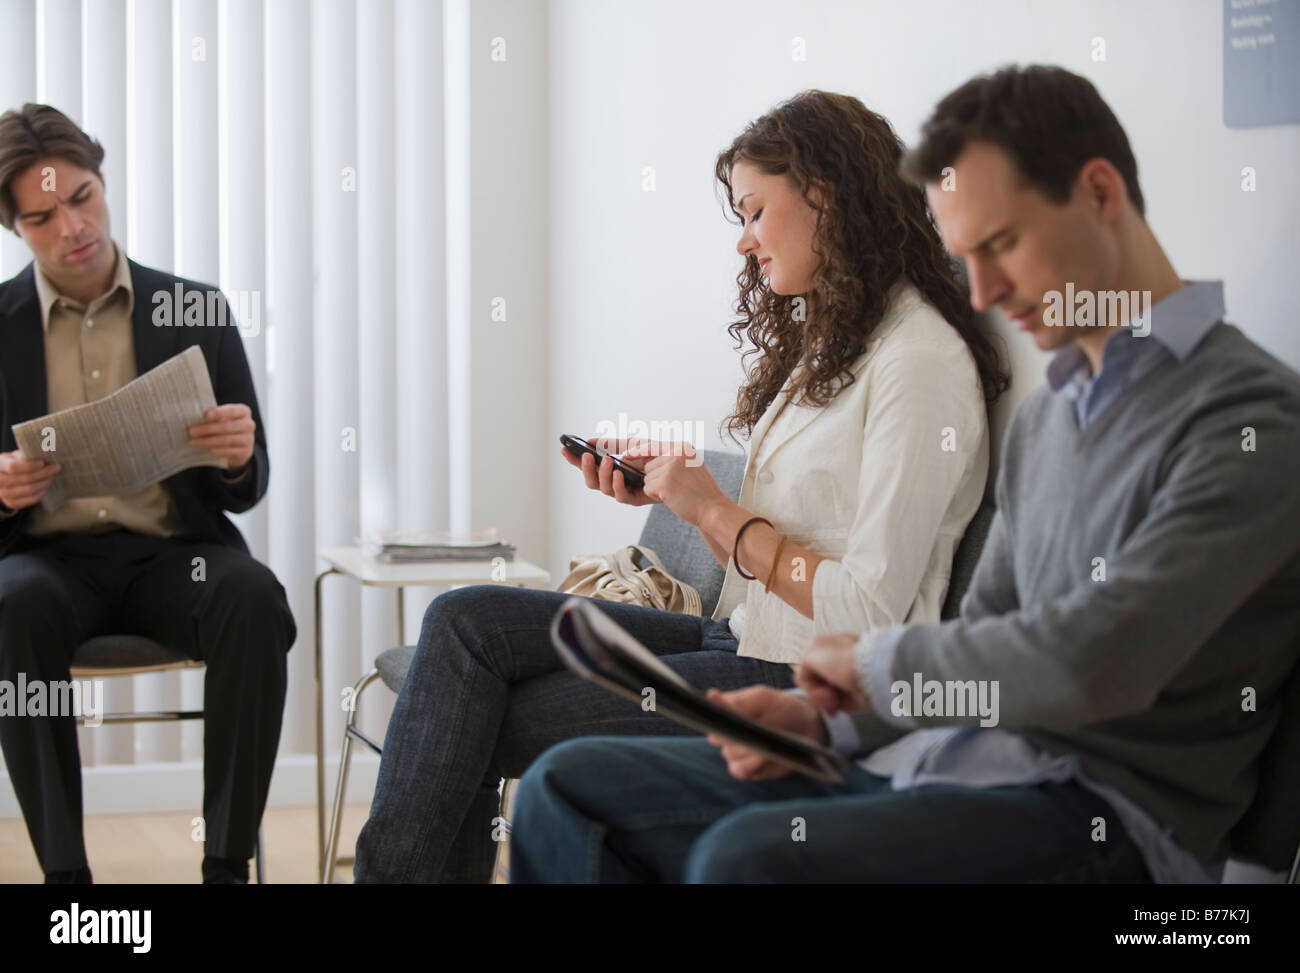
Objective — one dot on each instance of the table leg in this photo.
(401, 615)
(320, 730)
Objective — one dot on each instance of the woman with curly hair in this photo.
(864, 408)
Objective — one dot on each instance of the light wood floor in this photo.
(157, 848)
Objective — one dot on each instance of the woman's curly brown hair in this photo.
(873, 229)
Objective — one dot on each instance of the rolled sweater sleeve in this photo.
(924, 432)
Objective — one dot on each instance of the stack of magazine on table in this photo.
(411, 546)
(595, 647)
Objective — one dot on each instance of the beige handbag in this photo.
(633, 575)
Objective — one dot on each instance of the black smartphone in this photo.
(632, 477)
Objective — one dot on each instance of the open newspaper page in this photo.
(129, 439)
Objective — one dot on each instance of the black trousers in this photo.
(227, 610)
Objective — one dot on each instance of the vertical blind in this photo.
(293, 153)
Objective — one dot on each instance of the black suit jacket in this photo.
(201, 493)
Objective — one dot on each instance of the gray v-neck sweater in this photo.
(1159, 666)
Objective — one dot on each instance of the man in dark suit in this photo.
(76, 324)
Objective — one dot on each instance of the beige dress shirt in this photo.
(90, 353)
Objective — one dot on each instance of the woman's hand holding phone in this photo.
(676, 476)
(603, 475)
(674, 473)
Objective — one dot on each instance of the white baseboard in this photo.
(162, 787)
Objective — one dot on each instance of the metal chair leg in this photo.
(345, 761)
(501, 867)
(259, 859)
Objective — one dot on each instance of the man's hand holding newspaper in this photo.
(227, 431)
(129, 439)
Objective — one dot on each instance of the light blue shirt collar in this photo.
(1178, 323)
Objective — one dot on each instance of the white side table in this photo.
(363, 568)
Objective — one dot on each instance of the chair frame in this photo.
(350, 732)
(158, 716)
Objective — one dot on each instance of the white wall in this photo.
(641, 282)
(506, 394)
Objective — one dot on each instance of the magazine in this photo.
(401, 546)
(595, 647)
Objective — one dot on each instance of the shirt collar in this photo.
(47, 293)
(1178, 322)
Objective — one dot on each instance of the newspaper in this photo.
(129, 439)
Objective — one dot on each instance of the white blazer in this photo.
(881, 482)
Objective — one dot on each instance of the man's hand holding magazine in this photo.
(786, 729)
(828, 678)
(771, 707)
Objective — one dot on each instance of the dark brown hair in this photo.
(1048, 120)
(36, 132)
(873, 229)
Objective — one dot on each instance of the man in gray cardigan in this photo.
(1099, 710)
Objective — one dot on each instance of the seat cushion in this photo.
(393, 664)
(124, 652)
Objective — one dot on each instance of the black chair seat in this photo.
(124, 652)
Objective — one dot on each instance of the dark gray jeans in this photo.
(485, 696)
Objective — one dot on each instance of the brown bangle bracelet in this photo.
(735, 550)
(776, 559)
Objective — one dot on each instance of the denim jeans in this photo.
(485, 695)
(667, 810)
